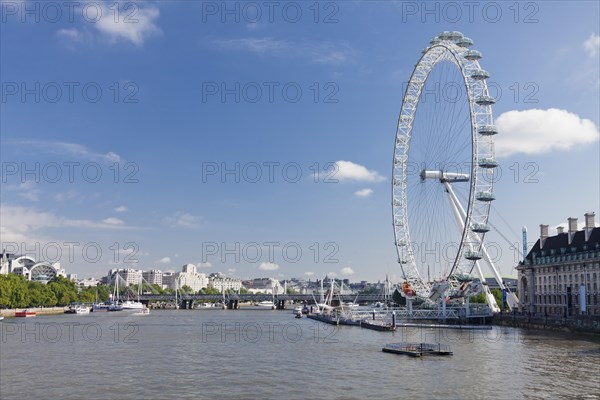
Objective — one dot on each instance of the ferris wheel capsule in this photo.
(472, 55)
(480, 74)
(464, 42)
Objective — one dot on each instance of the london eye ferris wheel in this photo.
(443, 170)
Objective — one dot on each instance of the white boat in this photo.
(132, 305)
(1, 318)
(81, 309)
(266, 303)
(143, 311)
(297, 310)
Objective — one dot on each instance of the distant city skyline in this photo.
(263, 147)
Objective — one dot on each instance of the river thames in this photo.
(263, 354)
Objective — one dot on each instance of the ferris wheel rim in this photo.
(480, 115)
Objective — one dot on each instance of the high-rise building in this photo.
(127, 276)
(223, 284)
(263, 285)
(153, 277)
(187, 277)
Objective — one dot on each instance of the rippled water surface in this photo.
(261, 354)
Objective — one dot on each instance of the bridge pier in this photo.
(186, 304)
(233, 304)
(280, 304)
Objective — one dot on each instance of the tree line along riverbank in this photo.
(17, 292)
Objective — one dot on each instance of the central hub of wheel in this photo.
(443, 176)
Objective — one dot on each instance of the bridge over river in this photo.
(233, 300)
(304, 298)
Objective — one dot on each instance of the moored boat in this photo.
(77, 309)
(100, 307)
(417, 349)
(81, 309)
(327, 318)
(132, 305)
(143, 311)
(378, 326)
(115, 307)
(25, 313)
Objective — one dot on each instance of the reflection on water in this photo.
(268, 354)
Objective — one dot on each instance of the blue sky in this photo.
(163, 122)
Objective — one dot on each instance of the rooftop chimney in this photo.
(560, 229)
(572, 228)
(590, 223)
(543, 234)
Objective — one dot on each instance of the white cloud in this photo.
(349, 171)
(67, 149)
(134, 25)
(184, 220)
(121, 209)
(592, 45)
(231, 270)
(364, 192)
(24, 225)
(204, 264)
(68, 195)
(27, 190)
(320, 53)
(565, 225)
(268, 266)
(35, 219)
(72, 35)
(331, 274)
(309, 273)
(28, 224)
(538, 131)
(164, 260)
(113, 221)
(132, 22)
(347, 271)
